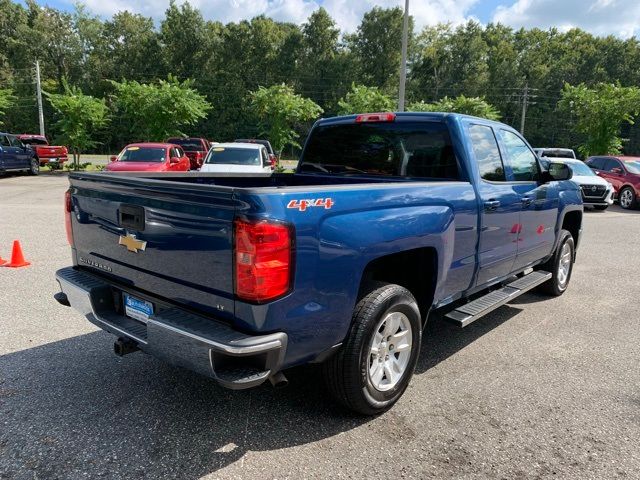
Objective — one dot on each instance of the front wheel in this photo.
(34, 167)
(627, 198)
(373, 367)
(560, 266)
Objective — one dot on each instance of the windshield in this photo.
(560, 153)
(404, 149)
(580, 169)
(143, 154)
(34, 141)
(633, 167)
(188, 144)
(233, 156)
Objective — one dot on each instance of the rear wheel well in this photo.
(415, 270)
(572, 222)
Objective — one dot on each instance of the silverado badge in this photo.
(132, 243)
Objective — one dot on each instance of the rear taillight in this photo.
(65, 150)
(68, 208)
(263, 260)
(274, 161)
(376, 117)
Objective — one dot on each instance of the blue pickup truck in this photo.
(389, 220)
(16, 156)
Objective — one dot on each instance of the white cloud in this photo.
(346, 13)
(601, 17)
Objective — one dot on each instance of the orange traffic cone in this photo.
(17, 258)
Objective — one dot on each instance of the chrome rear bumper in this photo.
(234, 359)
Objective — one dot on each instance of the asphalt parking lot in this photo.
(542, 388)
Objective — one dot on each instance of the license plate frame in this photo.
(137, 308)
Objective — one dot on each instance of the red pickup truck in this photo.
(44, 152)
(196, 149)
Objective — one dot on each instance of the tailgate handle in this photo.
(131, 216)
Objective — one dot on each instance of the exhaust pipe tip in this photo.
(123, 346)
(278, 380)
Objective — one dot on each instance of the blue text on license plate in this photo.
(136, 308)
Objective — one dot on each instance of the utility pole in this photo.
(39, 96)
(403, 62)
(525, 100)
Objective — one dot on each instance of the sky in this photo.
(601, 17)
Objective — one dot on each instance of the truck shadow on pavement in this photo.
(441, 339)
(72, 408)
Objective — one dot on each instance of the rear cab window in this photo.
(189, 144)
(388, 149)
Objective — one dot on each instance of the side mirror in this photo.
(560, 171)
(113, 158)
(174, 160)
(616, 170)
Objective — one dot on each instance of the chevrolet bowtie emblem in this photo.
(132, 243)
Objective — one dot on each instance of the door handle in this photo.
(491, 205)
(526, 201)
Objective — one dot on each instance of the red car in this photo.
(621, 172)
(195, 148)
(44, 152)
(150, 157)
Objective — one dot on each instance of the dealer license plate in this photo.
(137, 308)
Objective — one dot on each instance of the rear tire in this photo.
(373, 367)
(34, 168)
(627, 198)
(560, 266)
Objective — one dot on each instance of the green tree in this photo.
(6, 101)
(280, 110)
(376, 47)
(158, 110)
(129, 49)
(184, 35)
(79, 117)
(362, 99)
(599, 112)
(476, 106)
(319, 73)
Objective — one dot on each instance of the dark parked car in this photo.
(15, 156)
(621, 172)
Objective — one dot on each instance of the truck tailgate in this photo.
(168, 238)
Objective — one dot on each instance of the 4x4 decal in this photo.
(302, 205)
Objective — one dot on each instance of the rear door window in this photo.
(4, 141)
